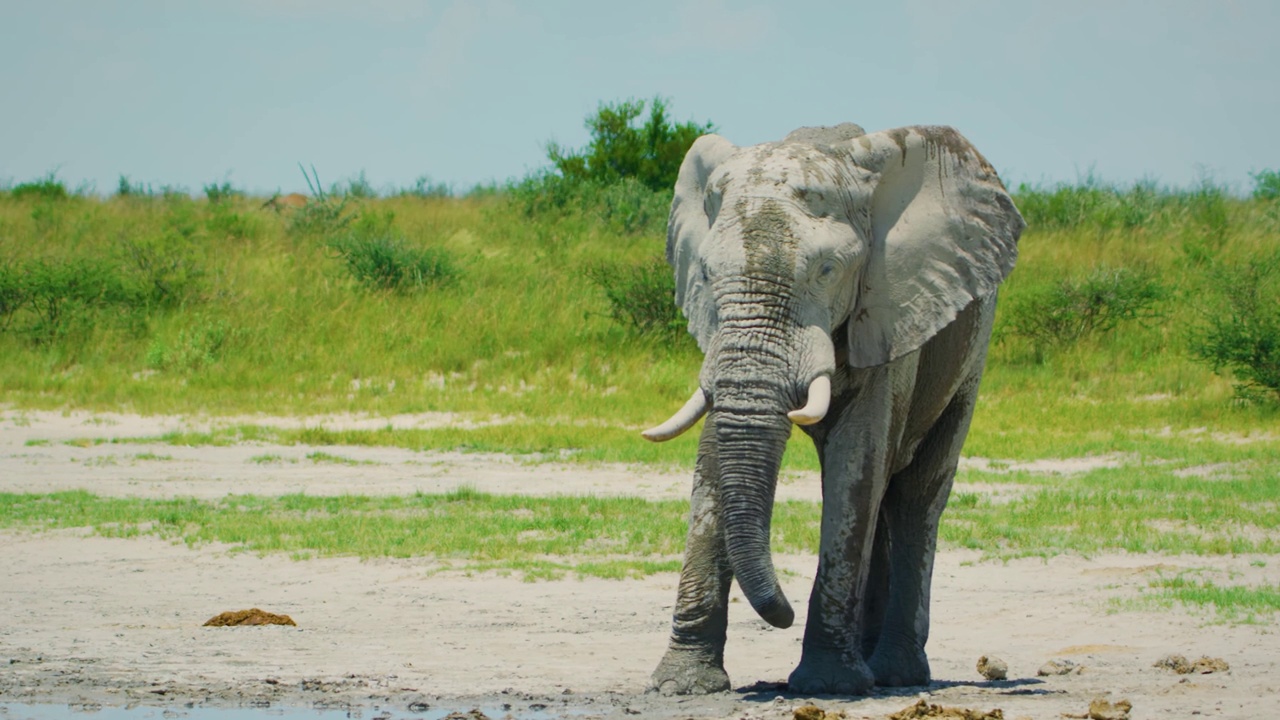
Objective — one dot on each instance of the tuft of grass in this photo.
(266, 459)
(1224, 603)
(324, 457)
(599, 537)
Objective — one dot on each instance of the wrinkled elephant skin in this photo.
(847, 283)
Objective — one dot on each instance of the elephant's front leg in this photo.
(912, 509)
(694, 662)
(853, 481)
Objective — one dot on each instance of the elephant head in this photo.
(876, 240)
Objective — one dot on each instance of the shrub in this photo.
(1241, 332)
(378, 258)
(165, 270)
(1072, 309)
(55, 298)
(357, 187)
(641, 297)
(225, 223)
(1266, 184)
(323, 215)
(193, 349)
(1091, 203)
(218, 194)
(626, 205)
(650, 153)
(424, 187)
(46, 188)
(127, 189)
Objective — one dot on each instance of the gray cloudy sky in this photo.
(466, 91)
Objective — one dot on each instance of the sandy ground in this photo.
(89, 622)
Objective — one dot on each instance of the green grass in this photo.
(1145, 508)
(1148, 508)
(324, 457)
(612, 538)
(1221, 603)
(269, 319)
(1230, 603)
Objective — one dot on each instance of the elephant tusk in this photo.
(819, 402)
(684, 419)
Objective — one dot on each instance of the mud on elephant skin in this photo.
(846, 283)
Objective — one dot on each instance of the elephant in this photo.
(846, 283)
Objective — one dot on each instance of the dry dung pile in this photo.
(1182, 666)
(993, 668)
(813, 712)
(924, 710)
(253, 616)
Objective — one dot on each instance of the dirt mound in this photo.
(253, 616)
(923, 709)
(1059, 666)
(1182, 666)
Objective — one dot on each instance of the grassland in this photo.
(222, 306)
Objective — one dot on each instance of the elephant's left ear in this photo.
(943, 232)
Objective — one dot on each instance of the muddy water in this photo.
(20, 711)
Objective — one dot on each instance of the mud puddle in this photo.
(93, 711)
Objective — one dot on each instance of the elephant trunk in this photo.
(750, 446)
(762, 370)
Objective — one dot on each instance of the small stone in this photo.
(993, 668)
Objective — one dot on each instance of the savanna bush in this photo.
(192, 349)
(1091, 203)
(1266, 184)
(325, 214)
(379, 258)
(625, 175)
(651, 153)
(48, 300)
(218, 193)
(1240, 330)
(164, 266)
(641, 297)
(48, 187)
(1071, 309)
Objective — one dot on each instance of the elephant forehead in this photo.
(760, 168)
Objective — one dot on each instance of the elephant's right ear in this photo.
(687, 228)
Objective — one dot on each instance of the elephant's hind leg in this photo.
(694, 662)
(911, 511)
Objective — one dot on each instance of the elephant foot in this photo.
(900, 666)
(830, 673)
(688, 672)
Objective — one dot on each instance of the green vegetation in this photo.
(650, 153)
(1227, 603)
(593, 536)
(1141, 324)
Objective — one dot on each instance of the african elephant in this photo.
(846, 283)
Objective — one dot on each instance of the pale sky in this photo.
(185, 93)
